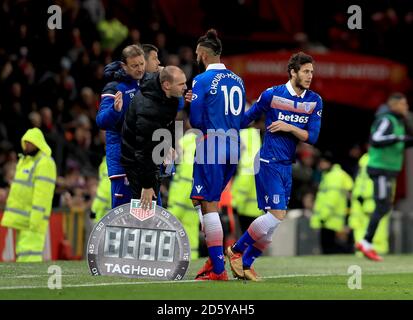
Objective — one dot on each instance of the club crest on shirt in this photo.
(276, 198)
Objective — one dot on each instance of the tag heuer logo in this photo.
(198, 188)
(139, 213)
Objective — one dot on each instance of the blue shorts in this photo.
(121, 192)
(209, 180)
(273, 182)
(214, 165)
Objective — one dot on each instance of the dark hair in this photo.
(147, 48)
(328, 156)
(297, 60)
(211, 41)
(131, 51)
(395, 96)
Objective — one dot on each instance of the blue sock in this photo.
(243, 242)
(217, 256)
(250, 255)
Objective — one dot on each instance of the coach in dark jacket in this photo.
(153, 108)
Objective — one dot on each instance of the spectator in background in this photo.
(95, 9)
(35, 119)
(112, 31)
(388, 140)
(331, 207)
(187, 63)
(134, 37)
(8, 160)
(66, 84)
(102, 201)
(350, 163)
(102, 198)
(160, 43)
(53, 137)
(303, 175)
(79, 149)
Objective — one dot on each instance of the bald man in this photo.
(153, 108)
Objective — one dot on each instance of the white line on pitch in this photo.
(104, 284)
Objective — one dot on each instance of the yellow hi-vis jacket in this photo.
(179, 202)
(244, 197)
(29, 202)
(102, 202)
(364, 189)
(330, 206)
(363, 205)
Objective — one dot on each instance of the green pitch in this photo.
(304, 277)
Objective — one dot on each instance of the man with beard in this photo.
(217, 108)
(293, 114)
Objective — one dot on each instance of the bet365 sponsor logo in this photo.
(292, 118)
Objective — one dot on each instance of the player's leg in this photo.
(273, 199)
(207, 189)
(383, 197)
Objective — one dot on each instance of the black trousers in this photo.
(330, 244)
(384, 187)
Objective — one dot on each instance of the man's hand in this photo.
(170, 157)
(118, 101)
(279, 126)
(282, 126)
(188, 96)
(146, 198)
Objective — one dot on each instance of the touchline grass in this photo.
(303, 277)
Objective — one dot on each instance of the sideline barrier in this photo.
(295, 237)
(74, 228)
(55, 246)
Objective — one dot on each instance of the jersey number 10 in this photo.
(229, 100)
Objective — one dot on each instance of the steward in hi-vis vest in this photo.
(29, 202)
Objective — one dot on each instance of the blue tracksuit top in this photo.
(109, 119)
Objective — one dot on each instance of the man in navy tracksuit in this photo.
(124, 77)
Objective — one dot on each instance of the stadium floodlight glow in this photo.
(132, 242)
